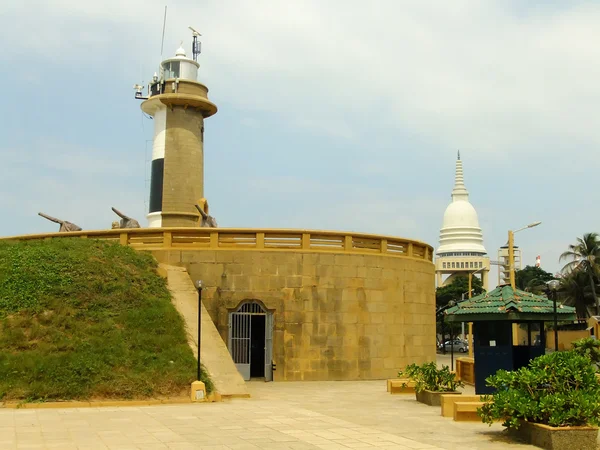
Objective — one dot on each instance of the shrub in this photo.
(428, 377)
(559, 389)
(85, 319)
(588, 347)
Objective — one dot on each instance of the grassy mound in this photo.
(85, 319)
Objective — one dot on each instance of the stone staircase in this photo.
(214, 354)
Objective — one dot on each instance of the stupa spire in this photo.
(460, 191)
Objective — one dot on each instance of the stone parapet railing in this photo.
(252, 239)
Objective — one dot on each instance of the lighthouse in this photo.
(178, 103)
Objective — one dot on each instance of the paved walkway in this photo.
(279, 416)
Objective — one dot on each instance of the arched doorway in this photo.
(251, 340)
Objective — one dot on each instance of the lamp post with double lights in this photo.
(511, 251)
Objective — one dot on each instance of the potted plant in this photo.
(431, 382)
(551, 403)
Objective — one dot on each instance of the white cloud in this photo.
(479, 74)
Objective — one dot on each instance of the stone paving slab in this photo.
(279, 416)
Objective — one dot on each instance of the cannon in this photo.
(65, 227)
(126, 221)
(206, 221)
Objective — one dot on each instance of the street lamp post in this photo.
(199, 287)
(451, 303)
(511, 251)
(470, 340)
(440, 312)
(553, 286)
(451, 349)
(443, 336)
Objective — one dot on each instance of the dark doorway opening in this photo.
(257, 342)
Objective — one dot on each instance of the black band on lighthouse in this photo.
(156, 184)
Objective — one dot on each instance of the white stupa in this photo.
(461, 247)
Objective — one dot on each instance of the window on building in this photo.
(171, 69)
(443, 265)
(453, 265)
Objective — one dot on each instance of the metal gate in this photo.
(240, 335)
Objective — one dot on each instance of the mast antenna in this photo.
(162, 41)
(196, 45)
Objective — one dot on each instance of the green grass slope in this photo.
(85, 319)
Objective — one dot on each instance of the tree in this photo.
(585, 256)
(532, 279)
(455, 289)
(575, 291)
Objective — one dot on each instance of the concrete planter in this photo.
(433, 398)
(557, 438)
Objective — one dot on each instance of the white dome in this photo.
(460, 214)
(460, 228)
(180, 53)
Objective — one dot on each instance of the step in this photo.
(467, 411)
(215, 356)
(448, 400)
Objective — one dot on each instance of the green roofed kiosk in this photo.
(508, 329)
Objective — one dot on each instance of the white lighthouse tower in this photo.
(178, 103)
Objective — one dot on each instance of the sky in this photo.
(338, 115)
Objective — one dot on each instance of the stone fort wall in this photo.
(336, 316)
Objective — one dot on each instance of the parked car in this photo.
(459, 346)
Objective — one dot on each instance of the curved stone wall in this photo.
(336, 316)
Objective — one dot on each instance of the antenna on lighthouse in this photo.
(196, 45)
(162, 41)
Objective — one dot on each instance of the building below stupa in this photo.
(461, 249)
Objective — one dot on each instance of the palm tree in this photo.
(585, 257)
(575, 291)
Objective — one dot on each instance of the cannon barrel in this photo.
(52, 219)
(119, 213)
(200, 210)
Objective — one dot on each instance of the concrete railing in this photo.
(252, 239)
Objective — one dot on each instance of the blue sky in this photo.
(332, 115)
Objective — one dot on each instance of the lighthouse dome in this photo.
(180, 67)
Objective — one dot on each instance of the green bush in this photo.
(559, 389)
(588, 347)
(428, 377)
